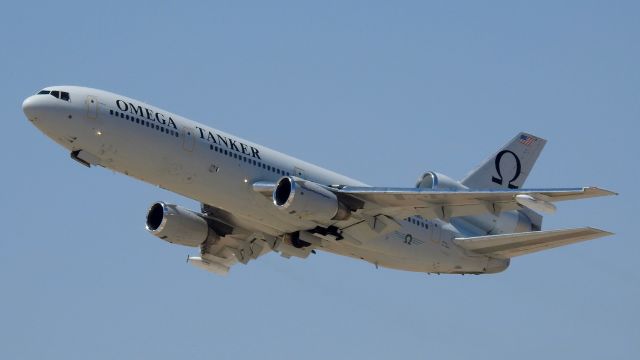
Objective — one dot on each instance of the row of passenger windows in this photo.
(418, 222)
(143, 122)
(250, 161)
(62, 95)
(171, 132)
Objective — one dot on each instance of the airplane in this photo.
(255, 200)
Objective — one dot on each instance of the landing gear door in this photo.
(92, 107)
(188, 139)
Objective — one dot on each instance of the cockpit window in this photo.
(62, 95)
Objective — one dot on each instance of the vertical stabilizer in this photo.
(509, 167)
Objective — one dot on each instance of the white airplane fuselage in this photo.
(220, 170)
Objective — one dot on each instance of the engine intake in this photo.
(308, 200)
(436, 181)
(176, 224)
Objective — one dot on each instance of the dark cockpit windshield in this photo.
(62, 95)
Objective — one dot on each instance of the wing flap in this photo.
(510, 245)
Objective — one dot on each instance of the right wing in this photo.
(445, 204)
(509, 245)
(398, 203)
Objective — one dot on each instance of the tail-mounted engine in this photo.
(435, 181)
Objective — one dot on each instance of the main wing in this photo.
(445, 204)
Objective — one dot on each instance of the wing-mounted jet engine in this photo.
(220, 246)
(308, 200)
(178, 225)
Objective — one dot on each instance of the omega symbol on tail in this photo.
(499, 179)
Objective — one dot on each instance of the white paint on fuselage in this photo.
(187, 165)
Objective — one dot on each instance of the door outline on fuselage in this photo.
(298, 172)
(435, 232)
(92, 107)
(188, 139)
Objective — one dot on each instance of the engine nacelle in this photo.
(308, 200)
(177, 225)
(436, 181)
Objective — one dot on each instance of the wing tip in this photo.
(600, 232)
(596, 191)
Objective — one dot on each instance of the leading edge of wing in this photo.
(416, 196)
(591, 190)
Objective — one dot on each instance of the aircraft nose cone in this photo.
(31, 107)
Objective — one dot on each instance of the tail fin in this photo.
(509, 167)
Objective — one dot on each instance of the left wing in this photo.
(445, 204)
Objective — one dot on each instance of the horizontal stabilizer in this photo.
(509, 245)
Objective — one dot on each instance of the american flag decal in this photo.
(527, 140)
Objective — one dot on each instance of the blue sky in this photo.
(379, 91)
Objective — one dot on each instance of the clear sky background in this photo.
(379, 91)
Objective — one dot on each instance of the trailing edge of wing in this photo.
(510, 245)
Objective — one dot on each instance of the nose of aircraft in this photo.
(32, 107)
